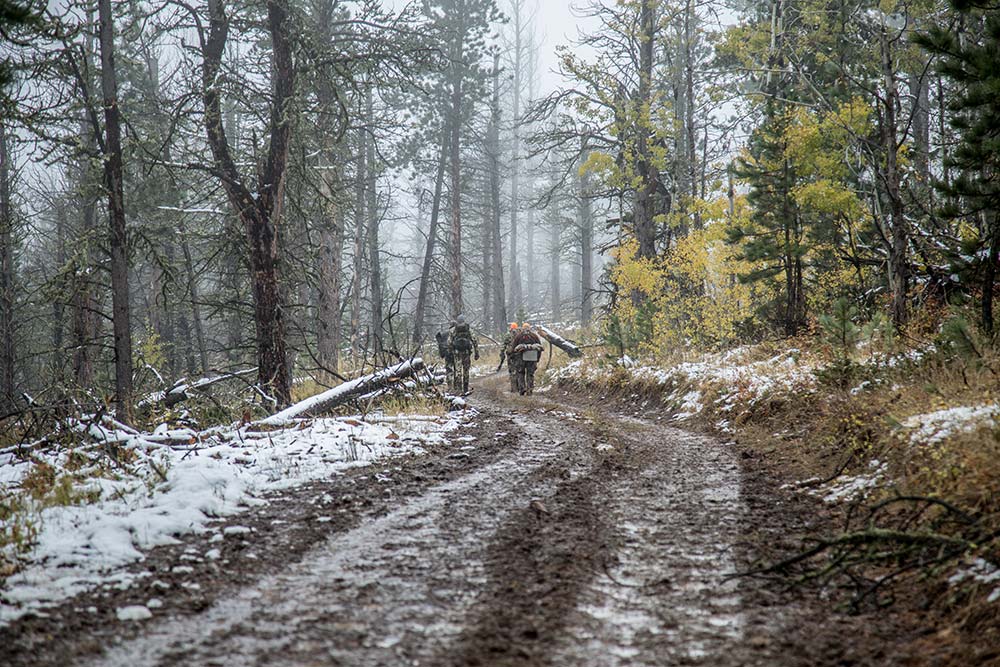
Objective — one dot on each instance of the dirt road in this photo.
(568, 535)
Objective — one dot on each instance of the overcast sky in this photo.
(556, 25)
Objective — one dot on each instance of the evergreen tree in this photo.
(972, 61)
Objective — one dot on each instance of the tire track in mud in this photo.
(537, 564)
(627, 566)
(395, 589)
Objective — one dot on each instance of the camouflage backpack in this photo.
(461, 338)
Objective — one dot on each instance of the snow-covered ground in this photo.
(172, 482)
(933, 427)
(737, 381)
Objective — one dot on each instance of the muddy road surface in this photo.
(568, 534)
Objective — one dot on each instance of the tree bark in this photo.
(192, 290)
(419, 312)
(359, 241)
(586, 217)
(554, 255)
(374, 261)
(257, 211)
(496, 255)
(8, 357)
(455, 238)
(116, 216)
(57, 362)
(989, 275)
(643, 212)
(899, 236)
(516, 286)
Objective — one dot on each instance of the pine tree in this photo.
(972, 61)
(776, 235)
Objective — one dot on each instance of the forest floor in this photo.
(558, 529)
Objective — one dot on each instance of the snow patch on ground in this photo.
(932, 427)
(739, 382)
(172, 489)
(981, 572)
(852, 487)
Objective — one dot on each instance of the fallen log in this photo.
(569, 347)
(182, 389)
(345, 392)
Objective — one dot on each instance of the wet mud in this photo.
(570, 532)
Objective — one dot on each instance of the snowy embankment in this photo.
(736, 382)
(726, 390)
(154, 487)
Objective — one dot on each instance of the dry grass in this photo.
(835, 432)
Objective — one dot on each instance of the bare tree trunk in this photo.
(116, 214)
(258, 211)
(192, 290)
(58, 305)
(690, 108)
(516, 287)
(85, 322)
(455, 238)
(331, 258)
(586, 240)
(496, 255)
(486, 234)
(990, 272)
(554, 250)
(432, 233)
(373, 228)
(8, 357)
(359, 242)
(899, 236)
(642, 213)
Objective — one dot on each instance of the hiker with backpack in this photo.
(463, 345)
(527, 348)
(507, 355)
(445, 351)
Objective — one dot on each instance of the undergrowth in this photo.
(859, 409)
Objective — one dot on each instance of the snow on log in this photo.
(182, 388)
(569, 347)
(345, 392)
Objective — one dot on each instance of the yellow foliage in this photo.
(694, 292)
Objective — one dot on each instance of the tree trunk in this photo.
(331, 256)
(899, 236)
(642, 212)
(116, 216)
(554, 254)
(586, 239)
(455, 239)
(58, 305)
(920, 100)
(258, 211)
(432, 233)
(7, 353)
(516, 286)
(359, 241)
(496, 255)
(690, 105)
(373, 228)
(348, 391)
(989, 275)
(192, 289)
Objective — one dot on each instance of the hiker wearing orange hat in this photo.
(527, 350)
(506, 354)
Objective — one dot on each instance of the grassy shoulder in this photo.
(903, 448)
